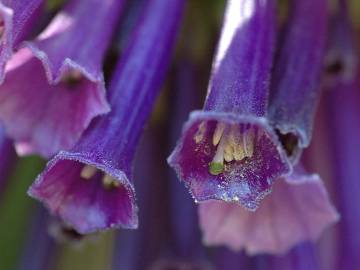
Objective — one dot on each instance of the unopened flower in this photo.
(90, 187)
(54, 85)
(296, 82)
(16, 20)
(297, 210)
(228, 151)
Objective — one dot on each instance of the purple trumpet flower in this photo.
(16, 20)
(344, 128)
(228, 151)
(276, 226)
(90, 187)
(296, 82)
(62, 68)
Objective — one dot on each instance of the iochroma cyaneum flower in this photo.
(54, 85)
(228, 151)
(90, 186)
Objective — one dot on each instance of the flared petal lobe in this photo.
(61, 69)
(296, 81)
(90, 186)
(229, 152)
(298, 210)
(247, 178)
(80, 195)
(16, 20)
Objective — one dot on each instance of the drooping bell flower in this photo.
(54, 85)
(16, 20)
(90, 186)
(228, 151)
(343, 103)
(297, 210)
(295, 86)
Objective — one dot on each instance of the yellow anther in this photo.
(228, 157)
(88, 171)
(229, 149)
(109, 182)
(239, 153)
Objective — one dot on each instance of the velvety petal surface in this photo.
(295, 89)
(228, 151)
(55, 83)
(16, 19)
(246, 181)
(104, 154)
(44, 118)
(85, 204)
(297, 210)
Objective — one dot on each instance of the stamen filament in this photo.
(219, 130)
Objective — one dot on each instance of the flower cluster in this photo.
(78, 85)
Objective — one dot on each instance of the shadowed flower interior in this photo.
(228, 158)
(85, 197)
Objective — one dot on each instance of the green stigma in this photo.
(216, 168)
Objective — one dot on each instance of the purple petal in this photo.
(106, 198)
(85, 204)
(234, 115)
(298, 209)
(16, 19)
(240, 73)
(61, 69)
(246, 181)
(38, 121)
(343, 103)
(296, 83)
